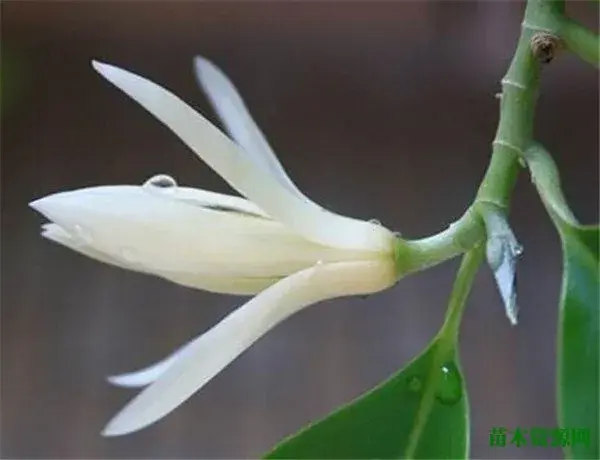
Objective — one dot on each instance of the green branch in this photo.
(458, 299)
(581, 41)
(545, 177)
(520, 87)
(543, 23)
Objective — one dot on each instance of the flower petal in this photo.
(214, 350)
(234, 114)
(216, 201)
(205, 281)
(149, 374)
(154, 232)
(226, 158)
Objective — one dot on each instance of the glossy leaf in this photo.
(578, 383)
(420, 412)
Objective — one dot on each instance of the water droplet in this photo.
(414, 384)
(83, 234)
(129, 255)
(517, 250)
(449, 386)
(375, 222)
(161, 182)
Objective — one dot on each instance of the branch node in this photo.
(545, 46)
(534, 28)
(508, 145)
(513, 83)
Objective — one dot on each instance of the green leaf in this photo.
(420, 412)
(579, 323)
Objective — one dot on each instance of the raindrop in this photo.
(449, 387)
(83, 234)
(161, 182)
(414, 384)
(375, 222)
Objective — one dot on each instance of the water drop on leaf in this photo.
(449, 387)
(414, 384)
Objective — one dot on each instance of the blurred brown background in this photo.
(377, 110)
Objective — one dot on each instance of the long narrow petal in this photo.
(215, 201)
(214, 350)
(154, 232)
(236, 117)
(212, 283)
(146, 376)
(226, 158)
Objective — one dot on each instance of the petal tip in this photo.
(113, 429)
(36, 204)
(49, 206)
(122, 424)
(207, 72)
(101, 67)
(201, 63)
(126, 422)
(124, 381)
(44, 206)
(114, 380)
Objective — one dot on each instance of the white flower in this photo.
(277, 243)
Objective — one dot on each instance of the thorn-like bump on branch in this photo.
(545, 46)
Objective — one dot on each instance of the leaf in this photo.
(420, 412)
(578, 383)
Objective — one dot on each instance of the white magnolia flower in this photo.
(276, 243)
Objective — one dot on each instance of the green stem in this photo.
(520, 88)
(581, 41)
(460, 236)
(460, 291)
(545, 177)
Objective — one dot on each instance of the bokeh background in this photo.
(377, 110)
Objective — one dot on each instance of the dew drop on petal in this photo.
(161, 183)
(375, 222)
